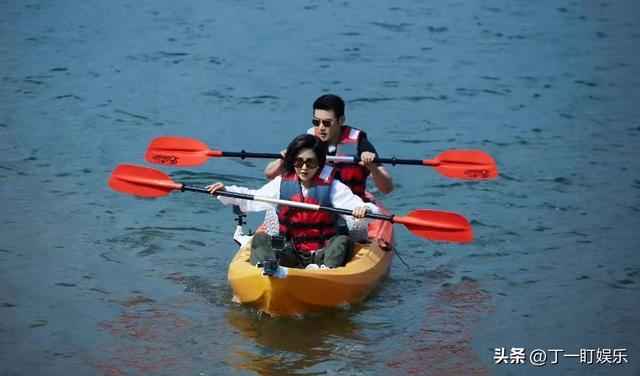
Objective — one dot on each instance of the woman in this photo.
(311, 236)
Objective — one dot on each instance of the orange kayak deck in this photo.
(301, 290)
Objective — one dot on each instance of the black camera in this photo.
(269, 267)
(278, 242)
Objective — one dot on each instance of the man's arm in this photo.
(274, 168)
(379, 175)
(381, 178)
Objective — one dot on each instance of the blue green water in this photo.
(96, 282)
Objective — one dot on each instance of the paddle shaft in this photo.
(393, 161)
(331, 158)
(301, 205)
(243, 154)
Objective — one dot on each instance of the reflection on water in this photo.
(443, 340)
(144, 338)
(285, 345)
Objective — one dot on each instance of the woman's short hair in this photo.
(304, 141)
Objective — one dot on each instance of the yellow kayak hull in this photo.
(307, 290)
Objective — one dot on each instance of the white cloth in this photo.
(341, 197)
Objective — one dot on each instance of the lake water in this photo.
(94, 282)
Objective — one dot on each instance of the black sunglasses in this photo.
(326, 123)
(311, 163)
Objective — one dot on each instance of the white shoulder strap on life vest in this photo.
(326, 172)
(354, 133)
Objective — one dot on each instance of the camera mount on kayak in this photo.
(240, 215)
(239, 235)
(269, 267)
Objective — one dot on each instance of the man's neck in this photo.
(336, 140)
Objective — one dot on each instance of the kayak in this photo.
(294, 291)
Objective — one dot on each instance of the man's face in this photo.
(328, 128)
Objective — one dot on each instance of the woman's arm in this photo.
(342, 197)
(270, 190)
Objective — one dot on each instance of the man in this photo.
(328, 125)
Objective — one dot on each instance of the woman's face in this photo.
(306, 165)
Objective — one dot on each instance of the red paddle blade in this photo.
(178, 151)
(141, 181)
(467, 164)
(437, 225)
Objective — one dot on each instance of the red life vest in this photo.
(309, 230)
(353, 176)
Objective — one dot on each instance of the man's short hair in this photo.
(330, 102)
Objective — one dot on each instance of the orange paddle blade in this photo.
(437, 225)
(141, 181)
(466, 164)
(178, 151)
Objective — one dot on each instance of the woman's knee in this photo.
(261, 248)
(260, 239)
(342, 241)
(338, 251)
